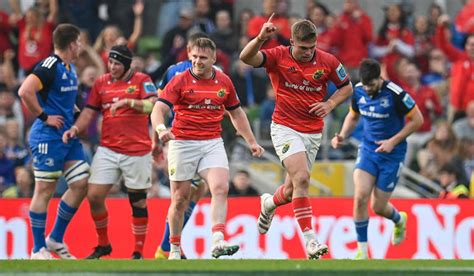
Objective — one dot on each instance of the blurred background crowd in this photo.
(421, 48)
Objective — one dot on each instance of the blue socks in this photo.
(65, 214)
(395, 216)
(361, 230)
(38, 225)
(165, 243)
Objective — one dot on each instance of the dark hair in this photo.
(401, 21)
(65, 34)
(322, 7)
(204, 43)
(243, 172)
(304, 30)
(369, 70)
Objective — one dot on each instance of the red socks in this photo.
(303, 213)
(101, 221)
(139, 229)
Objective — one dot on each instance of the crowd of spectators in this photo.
(429, 55)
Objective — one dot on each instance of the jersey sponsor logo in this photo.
(319, 73)
(384, 102)
(149, 88)
(362, 101)
(373, 114)
(408, 101)
(221, 92)
(341, 72)
(69, 88)
(131, 89)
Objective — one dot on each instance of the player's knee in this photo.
(301, 179)
(361, 201)
(220, 189)
(45, 190)
(138, 203)
(77, 174)
(377, 208)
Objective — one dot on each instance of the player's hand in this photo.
(138, 8)
(337, 141)
(68, 134)
(385, 146)
(166, 135)
(56, 121)
(268, 29)
(443, 20)
(257, 150)
(117, 105)
(322, 109)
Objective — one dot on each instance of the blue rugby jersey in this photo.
(383, 115)
(57, 96)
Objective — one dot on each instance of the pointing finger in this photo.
(270, 18)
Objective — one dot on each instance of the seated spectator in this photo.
(223, 35)
(7, 166)
(15, 148)
(202, 18)
(436, 77)
(462, 83)
(241, 185)
(427, 101)
(449, 181)
(394, 40)
(423, 42)
(11, 108)
(464, 128)
(24, 184)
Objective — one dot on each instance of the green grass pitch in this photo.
(239, 267)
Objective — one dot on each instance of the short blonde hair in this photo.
(303, 30)
(204, 43)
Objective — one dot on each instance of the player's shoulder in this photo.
(140, 76)
(221, 76)
(50, 62)
(393, 88)
(180, 67)
(325, 57)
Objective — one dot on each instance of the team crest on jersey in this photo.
(207, 101)
(318, 74)
(221, 92)
(285, 148)
(131, 89)
(172, 171)
(384, 102)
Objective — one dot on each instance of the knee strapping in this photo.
(76, 172)
(137, 211)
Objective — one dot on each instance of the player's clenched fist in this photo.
(257, 150)
(268, 29)
(337, 141)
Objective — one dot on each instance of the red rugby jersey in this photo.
(297, 85)
(199, 104)
(127, 132)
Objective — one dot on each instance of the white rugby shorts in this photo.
(287, 141)
(188, 157)
(108, 166)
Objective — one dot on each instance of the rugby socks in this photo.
(38, 225)
(175, 243)
(65, 214)
(395, 216)
(101, 221)
(279, 199)
(218, 232)
(304, 215)
(361, 230)
(139, 230)
(165, 242)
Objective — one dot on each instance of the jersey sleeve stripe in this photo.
(263, 60)
(412, 112)
(93, 107)
(343, 84)
(352, 110)
(166, 102)
(39, 81)
(230, 108)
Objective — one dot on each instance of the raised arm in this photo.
(250, 54)
(137, 23)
